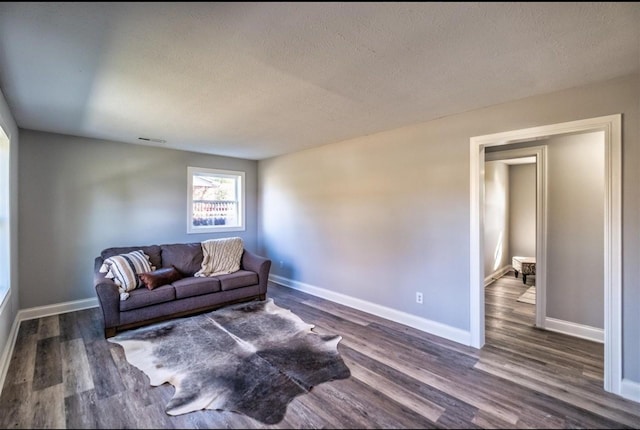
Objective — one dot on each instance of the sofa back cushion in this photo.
(153, 251)
(186, 257)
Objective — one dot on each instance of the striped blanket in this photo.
(221, 256)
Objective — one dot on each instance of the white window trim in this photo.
(191, 229)
(5, 218)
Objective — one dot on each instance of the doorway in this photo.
(611, 126)
(536, 246)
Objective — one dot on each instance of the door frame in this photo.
(540, 152)
(611, 125)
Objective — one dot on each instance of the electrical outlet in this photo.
(281, 264)
(419, 298)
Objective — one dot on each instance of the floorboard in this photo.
(64, 374)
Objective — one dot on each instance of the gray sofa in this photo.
(186, 296)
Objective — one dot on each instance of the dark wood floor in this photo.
(63, 373)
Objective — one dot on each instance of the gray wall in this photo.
(575, 231)
(79, 196)
(382, 216)
(522, 210)
(9, 308)
(496, 217)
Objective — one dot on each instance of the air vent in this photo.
(148, 139)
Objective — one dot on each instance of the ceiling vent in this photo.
(148, 139)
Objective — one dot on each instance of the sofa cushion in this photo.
(159, 277)
(142, 297)
(186, 257)
(124, 269)
(189, 287)
(153, 251)
(239, 279)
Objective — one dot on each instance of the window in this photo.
(216, 200)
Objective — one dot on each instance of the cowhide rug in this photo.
(253, 358)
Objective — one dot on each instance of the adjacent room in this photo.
(319, 215)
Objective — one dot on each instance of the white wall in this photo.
(522, 210)
(496, 217)
(380, 217)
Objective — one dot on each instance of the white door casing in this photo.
(611, 125)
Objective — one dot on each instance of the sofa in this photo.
(185, 296)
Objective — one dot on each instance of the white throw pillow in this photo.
(124, 270)
(221, 256)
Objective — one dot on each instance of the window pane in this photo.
(206, 212)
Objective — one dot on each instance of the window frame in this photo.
(239, 177)
(5, 219)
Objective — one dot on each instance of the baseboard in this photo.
(8, 352)
(58, 308)
(630, 390)
(8, 347)
(497, 275)
(426, 325)
(37, 312)
(573, 329)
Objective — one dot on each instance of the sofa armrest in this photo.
(258, 264)
(108, 296)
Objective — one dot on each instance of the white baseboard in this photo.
(7, 352)
(58, 308)
(426, 325)
(496, 275)
(574, 329)
(36, 312)
(630, 390)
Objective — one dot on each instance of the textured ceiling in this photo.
(255, 80)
